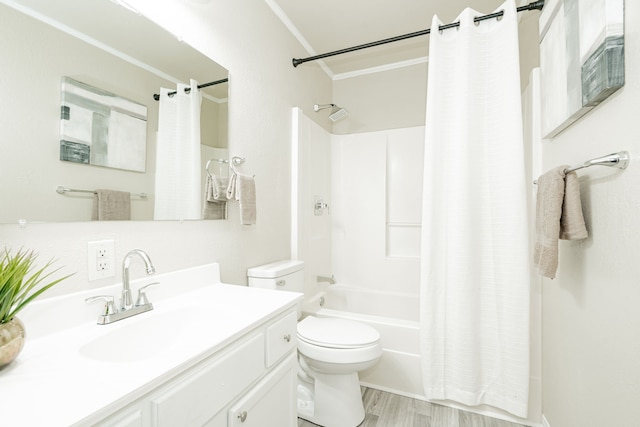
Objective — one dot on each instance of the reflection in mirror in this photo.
(101, 128)
(133, 59)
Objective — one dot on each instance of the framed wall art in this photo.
(581, 58)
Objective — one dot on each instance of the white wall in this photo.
(245, 37)
(386, 100)
(591, 321)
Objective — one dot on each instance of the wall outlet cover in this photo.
(101, 259)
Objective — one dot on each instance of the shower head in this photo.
(337, 113)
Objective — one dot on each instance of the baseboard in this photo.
(545, 423)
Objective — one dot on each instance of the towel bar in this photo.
(61, 190)
(618, 160)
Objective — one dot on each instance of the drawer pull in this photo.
(281, 282)
(287, 337)
(242, 416)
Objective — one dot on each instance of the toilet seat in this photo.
(338, 341)
(336, 333)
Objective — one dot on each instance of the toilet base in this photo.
(335, 401)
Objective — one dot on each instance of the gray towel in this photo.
(215, 198)
(558, 215)
(111, 205)
(216, 188)
(214, 210)
(243, 189)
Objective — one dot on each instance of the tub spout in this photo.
(324, 279)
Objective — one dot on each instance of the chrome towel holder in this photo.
(61, 190)
(619, 160)
(235, 161)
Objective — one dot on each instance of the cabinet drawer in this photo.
(281, 337)
(206, 391)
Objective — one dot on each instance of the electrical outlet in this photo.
(102, 264)
(100, 259)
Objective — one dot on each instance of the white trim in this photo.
(296, 113)
(381, 68)
(297, 34)
(545, 423)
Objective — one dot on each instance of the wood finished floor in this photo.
(384, 409)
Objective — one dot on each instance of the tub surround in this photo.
(195, 318)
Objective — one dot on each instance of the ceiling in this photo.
(328, 25)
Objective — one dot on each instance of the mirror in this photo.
(105, 46)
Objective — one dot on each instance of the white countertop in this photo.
(60, 380)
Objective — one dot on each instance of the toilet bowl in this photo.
(331, 352)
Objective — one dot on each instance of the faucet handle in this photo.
(109, 306)
(142, 294)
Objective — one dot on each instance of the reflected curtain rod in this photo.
(188, 89)
(536, 5)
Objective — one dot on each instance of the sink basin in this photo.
(140, 337)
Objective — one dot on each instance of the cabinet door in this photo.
(198, 396)
(271, 403)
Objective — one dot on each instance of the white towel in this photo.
(558, 216)
(243, 189)
(111, 205)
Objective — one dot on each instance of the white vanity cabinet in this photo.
(249, 382)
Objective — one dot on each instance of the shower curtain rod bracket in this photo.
(536, 5)
(188, 89)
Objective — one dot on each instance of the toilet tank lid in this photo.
(275, 269)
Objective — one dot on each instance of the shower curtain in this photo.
(178, 176)
(475, 252)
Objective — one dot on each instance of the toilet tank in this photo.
(286, 275)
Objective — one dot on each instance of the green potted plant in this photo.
(20, 283)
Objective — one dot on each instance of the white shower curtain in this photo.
(178, 193)
(475, 251)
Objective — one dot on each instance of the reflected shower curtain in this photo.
(475, 252)
(178, 176)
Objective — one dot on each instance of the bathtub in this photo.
(395, 316)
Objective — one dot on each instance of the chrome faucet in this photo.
(127, 308)
(126, 300)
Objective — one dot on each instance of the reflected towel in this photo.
(215, 198)
(243, 189)
(111, 205)
(216, 188)
(558, 215)
(214, 210)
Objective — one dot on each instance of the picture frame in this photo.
(581, 58)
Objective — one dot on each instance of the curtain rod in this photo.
(188, 89)
(536, 5)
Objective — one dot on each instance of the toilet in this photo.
(331, 352)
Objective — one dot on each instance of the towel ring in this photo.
(221, 161)
(236, 161)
